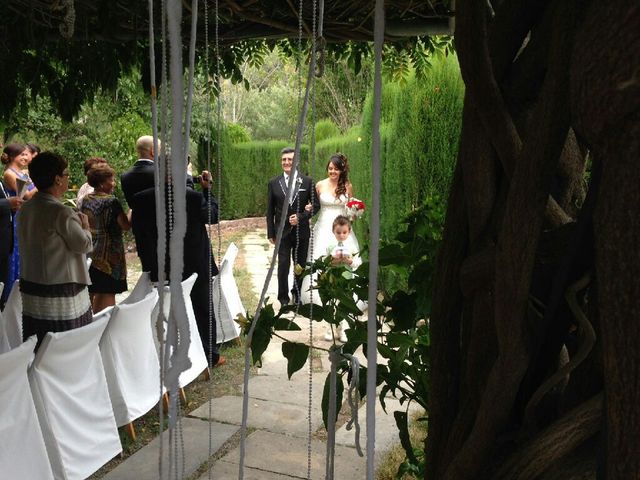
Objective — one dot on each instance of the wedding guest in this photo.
(17, 183)
(8, 206)
(107, 220)
(295, 236)
(138, 178)
(34, 150)
(85, 189)
(202, 209)
(54, 276)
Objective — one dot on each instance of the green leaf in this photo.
(296, 354)
(325, 398)
(397, 339)
(283, 323)
(403, 433)
(259, 343)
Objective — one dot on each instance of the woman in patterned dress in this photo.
(54, 240)
(108, 269)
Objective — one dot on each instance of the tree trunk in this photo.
(544, 86)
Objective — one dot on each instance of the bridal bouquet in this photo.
(355, 208)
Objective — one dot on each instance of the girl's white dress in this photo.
(323, 238)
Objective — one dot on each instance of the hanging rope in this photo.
(334, 359)
(281, 223)
(154, 127)
(354, 399)
(375, 243)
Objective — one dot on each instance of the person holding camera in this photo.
(202, 209)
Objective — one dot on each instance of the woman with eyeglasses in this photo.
(54, 240)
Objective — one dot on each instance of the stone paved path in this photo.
(277, 447)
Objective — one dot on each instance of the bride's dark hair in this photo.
(340, 162)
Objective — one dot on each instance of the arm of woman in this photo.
(124, 222)
(349, 190)
(9, 179)
(30, 193)
(74, 232)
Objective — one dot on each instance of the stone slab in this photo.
(143, 464)
(224, 470)
(288, 456)
(279, 388)
(386, 430)
(267, 415)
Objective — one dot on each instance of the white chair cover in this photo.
(196, 351)
(226, 298)
(12, 318)
(142, 288)
(72, 400)
(130, 360)
(22, 452)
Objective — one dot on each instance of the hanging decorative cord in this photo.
(178, 333)
(219, 156)
(281, 223)
(354, 399)
(209, 266)
(375, 242)
(334, 357)
(311, 243)
(177, 337)
(154, 127)
(161, 222)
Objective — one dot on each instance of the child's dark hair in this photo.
(341, 220)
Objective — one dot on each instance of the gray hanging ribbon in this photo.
(334, 357)
(354, 399)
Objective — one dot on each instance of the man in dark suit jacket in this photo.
(198, 257)
(7, 205)
(138, 178)
(296, 233)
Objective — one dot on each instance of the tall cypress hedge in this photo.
(420, 128)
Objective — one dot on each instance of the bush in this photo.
(237, 133)
(325, 129)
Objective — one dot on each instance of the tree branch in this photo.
(554, 443)
(526, 201)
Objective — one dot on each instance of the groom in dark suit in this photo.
(296, 233)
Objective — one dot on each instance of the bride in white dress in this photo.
(333, 193)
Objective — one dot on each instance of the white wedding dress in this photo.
(323, 238)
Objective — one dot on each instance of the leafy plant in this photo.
(402, 319)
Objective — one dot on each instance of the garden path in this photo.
(276, 447)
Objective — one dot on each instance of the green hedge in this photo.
(246, 170)
(419, 131)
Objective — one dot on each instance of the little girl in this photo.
(342, 252)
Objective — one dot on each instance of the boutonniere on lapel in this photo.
(299, 181)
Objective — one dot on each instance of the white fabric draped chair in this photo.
(22, 454)
(226, 298)
(130, 359)
(72, 400)
(12, 319)
(196, 353)
(142, 288)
